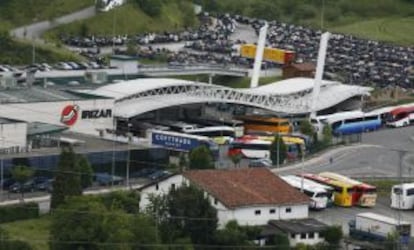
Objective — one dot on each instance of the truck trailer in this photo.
(376, 227)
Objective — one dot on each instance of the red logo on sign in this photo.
(69, 115)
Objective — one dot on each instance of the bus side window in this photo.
(397, 191)
(410, 191)
(336, 125)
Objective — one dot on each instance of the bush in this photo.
(150, 7)
(19, 212)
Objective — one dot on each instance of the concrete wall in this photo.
(161, 188)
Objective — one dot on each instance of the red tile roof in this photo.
(247, 186)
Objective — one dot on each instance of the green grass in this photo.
(127, 19)
(18, 52)
(35, 231)
(14, 13)
(396, 30)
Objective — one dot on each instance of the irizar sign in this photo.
(96, 113)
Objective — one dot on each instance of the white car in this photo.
(63, 66)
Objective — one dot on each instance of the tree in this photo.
(232, 235)
(327, 135)
(99, 4)
(67, 178)
(151, 7)
(200, 158)
(278, 150)
(86, 223)
(132, 48)
(280, 241)
(333, 235)
(236, 159)
(21, 174)
(306, 128)
(126, 201)
(183, 161)
(184, 212)
(86, 171)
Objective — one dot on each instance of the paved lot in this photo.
(376, 156)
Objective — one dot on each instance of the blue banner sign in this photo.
(175, 142)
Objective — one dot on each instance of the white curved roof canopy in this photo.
(294, 95)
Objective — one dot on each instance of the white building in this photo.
(81, 114)
(12, 135)
(306, 231)
(251, 196)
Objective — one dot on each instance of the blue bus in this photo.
(355, 124)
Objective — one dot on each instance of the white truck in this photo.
(372, 226)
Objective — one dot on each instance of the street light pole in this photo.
(128, 154)
(302, 169)
(1, 172)
(278, 151)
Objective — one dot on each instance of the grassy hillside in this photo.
(396, 30)
(129, 19)
(35, 231)
(14, 13)
(17, 52)
(388, 20)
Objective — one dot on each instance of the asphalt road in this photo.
(378, 155)
(35, 30)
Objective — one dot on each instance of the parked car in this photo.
(6, 183)
(260, 163)
(46, 185)
(158, 175)
(105, 179)
(145, 172)
(17, 187)
(63, 66)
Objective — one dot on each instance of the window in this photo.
(173, 186)
(272, 211)
(292, 235)
(410, 191)
(215, 201)
(398, 191)
(156, 187)
(288, 210)
(257, 212)
(303, 236)
(311, 235)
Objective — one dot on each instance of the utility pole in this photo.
(1, 179)
(398, 239)
(302, 169)
(33, 52)
(1, 172)
(113, 152)
(278, 151)
(128, 155)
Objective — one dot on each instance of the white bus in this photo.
(220, 134)
(319, 196)
(178, 126)
(402, 196)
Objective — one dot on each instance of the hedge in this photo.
(19, 212)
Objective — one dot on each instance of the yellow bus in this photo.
(265, 124)
(364, 195)
(343, 192)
